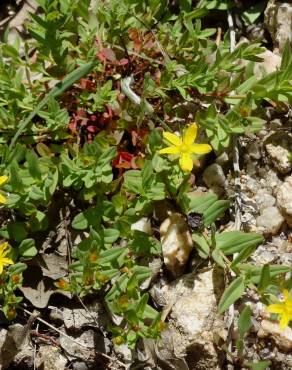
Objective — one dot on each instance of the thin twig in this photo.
(136, 99)
(231, 30)
(34, 349)
(237, 199)
(138, 55)
(72, 339)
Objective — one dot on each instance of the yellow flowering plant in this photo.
(283, 309)
(185, 147)
(4, 260)
(3, 180)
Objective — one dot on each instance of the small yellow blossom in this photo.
(185, 147)
(3, 180)
(4, 250)
(283, 309)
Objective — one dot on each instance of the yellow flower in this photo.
(3, 180)
(283, 309)
(4, 250)
(185, 147)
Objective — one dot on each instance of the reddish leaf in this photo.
(123, 160)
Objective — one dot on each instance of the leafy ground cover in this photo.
(109, 111)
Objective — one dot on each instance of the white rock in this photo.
(87, 347)
(222, 159)
(50, 358)
(279, 157)
(193, 319)
(143, 224)
(176, 243)
(125, 352)
(271, 62)
(284, 199)
(272, 180)
(78, 317)
(278, 19)
(253, 150)
(264, 200)
(215, 179)
(270, 220)
(283, 338)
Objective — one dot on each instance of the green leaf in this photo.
(201, 245)
(38, 221)
(63, 85)
(231, 242)
(112, 254)
(199, 203)
(118, 288)
(147, 174)
(33, 165)
(14, 178)
(243, 255)
(244, 321)
(253, 273)
(111, 235)
(18, 268)
(83, 220)
(265, 278)
(216, 210)
(143, 244)
(15, 231)
(233, 292)
(27, 248)
(133, 182)
(261, 365)
(254, 12)
(185, 5)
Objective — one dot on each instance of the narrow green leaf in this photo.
(235, 241)
(215, 211)
(265, 278)
(56, 91)
(261, 365)
(233, 292)
(244, 321)
(201, 245)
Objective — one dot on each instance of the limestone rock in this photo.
(176, 243)
(143, 225)
(278, 20)
(284, 199)
(214, 178)
(277, 147)
(283, 338)
(264, 199)
(193, 319)
(50, 358)
(271, 62)
(78, 317)
(270, 220)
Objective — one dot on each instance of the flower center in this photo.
(184, 148)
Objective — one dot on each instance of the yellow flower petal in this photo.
(3, 247)
(190, 134)
(276, 308)
(3, 179)
(284, 321)
(6, 261)
(1, 268)
(186, 162)
(173, 139)
(2, 199)
(285, 293)
(170, 150)
(200, 148)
